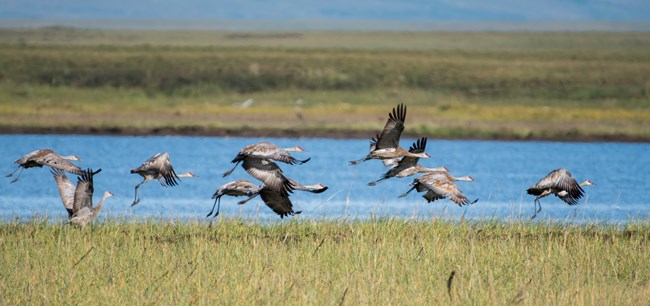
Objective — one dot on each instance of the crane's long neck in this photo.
(71, 157)
(463, 178)
(439, 169)
(101, 202)
(293, 149)
(420, 155)
(312, 188)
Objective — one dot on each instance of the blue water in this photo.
(503, 171)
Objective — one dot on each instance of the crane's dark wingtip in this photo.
(300, 162)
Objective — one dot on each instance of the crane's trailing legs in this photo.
(537, 210)
(137, 192)
(537, 203)
(407, 192)
(374, 183)
(217, 203)
(358, 161)
(19, 173)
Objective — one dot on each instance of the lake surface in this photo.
(503, 171)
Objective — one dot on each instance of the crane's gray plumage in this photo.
(78, 201)
(408, 165)
(267, 151)
(46, 157)
(386, 144)
(269, 173)
(390, 135)
(440, 185)
(66, 190)
(158, 167)
(278, 202)
(560, 183)
(236, 188)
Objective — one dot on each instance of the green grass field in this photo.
(477, 85)
(386, 261)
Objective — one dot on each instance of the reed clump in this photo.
(375, 261)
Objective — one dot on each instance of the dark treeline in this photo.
(167, 70)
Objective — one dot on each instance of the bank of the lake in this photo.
(378, 261)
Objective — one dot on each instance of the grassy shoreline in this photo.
(379, 261)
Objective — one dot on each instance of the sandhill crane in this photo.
(79, 201)
(158, 167)
(386, 146)
(46, 157)
(560, 183)
(236, 188)
(281, 204)
(407, 165)
(440, 185)
(267, 151)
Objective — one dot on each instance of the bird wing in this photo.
(151, 163)
(267, 150)
(31, 155)
(66, 189)
(83, 195)
(278, 202)
(392, 162)
(431, 196)
(161, 168)
(551, 180)
(373, 142)
(389, 137)
(55, 161)
(567, 183)
(444, 188)
(82, 216)
(417, 147)
(559, 180)
(236, 188)
(269, 173)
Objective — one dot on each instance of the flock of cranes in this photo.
(259, 161)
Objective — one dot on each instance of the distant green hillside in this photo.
(486, 85)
